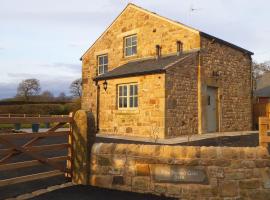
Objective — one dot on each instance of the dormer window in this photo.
(130, 43)
(102, 64)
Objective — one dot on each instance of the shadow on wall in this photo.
(83, 138)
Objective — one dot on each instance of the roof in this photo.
(145, 66)
(264, 92)
(173, 22)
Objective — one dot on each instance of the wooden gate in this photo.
(13, 145)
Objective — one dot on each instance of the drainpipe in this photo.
(97, 107)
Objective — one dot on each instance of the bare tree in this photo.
(47, 96)
(28, 88)
(258, 69)
(62, 97)
(76, 88)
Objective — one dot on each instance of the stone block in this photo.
(118, 180)
(215, 172)
(140, 184)
(101, 181)
(250, 184)
(228, 189)
(160, 189)
(173, 190)
(104, 160)
(248, 164)
(142, 170)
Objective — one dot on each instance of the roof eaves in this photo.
(157, 71)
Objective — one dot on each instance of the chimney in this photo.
(158, 51)
(179, 46)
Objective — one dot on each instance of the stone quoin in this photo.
(150, 76)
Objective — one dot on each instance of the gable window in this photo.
(102, 64)
(127, 96)
(130, 45)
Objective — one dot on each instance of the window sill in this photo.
(130, 57)
(127, 112)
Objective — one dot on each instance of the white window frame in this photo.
(102, 65)
(130, 46)
(128, 96)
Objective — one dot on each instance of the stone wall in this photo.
(147, 120)
(183, 172)
(182, 98)
(234, 84)
(151, 30)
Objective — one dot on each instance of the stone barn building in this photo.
(150, 76)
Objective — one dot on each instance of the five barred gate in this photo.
(28, 144)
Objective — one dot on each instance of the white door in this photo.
(211, 109)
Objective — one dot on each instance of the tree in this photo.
(28, 88)
(46, 96)
(62, 97)
(76, 88)
(258, 69)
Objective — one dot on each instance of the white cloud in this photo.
(45, 39)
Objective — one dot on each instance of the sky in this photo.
(45, 39)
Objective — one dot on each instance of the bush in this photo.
(43, 109)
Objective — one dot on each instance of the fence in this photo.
(260, 110)
(12, 147)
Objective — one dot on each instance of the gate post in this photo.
(263, 127)
(83, 133)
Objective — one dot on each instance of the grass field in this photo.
(9, 127)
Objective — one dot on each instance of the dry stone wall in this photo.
(183, 172)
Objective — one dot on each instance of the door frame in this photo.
(217, 115)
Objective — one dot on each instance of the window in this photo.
(102, 64)
(128, 96)
(131, 45)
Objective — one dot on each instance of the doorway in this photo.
(212, 111)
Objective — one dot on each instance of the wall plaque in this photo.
(178, 174)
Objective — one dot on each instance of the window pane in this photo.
(135, 89)
(120, 102)
(134, 50)
(128, 51)
(134, 40)
(131, 102)
(120, 90)
(135, 101)
(105, 61)
(131, 90)
(125, 90)
(128, 41)
(105, 68)
(100, 68)
(100, 60)
(125, 102)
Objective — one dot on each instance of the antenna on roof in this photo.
(192, 9)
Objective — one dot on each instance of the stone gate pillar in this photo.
(83, 138)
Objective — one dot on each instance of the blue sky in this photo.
(44, 39)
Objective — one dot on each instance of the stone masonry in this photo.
(234, 84)
(173, 103)
(147, 120)
(231, 173)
